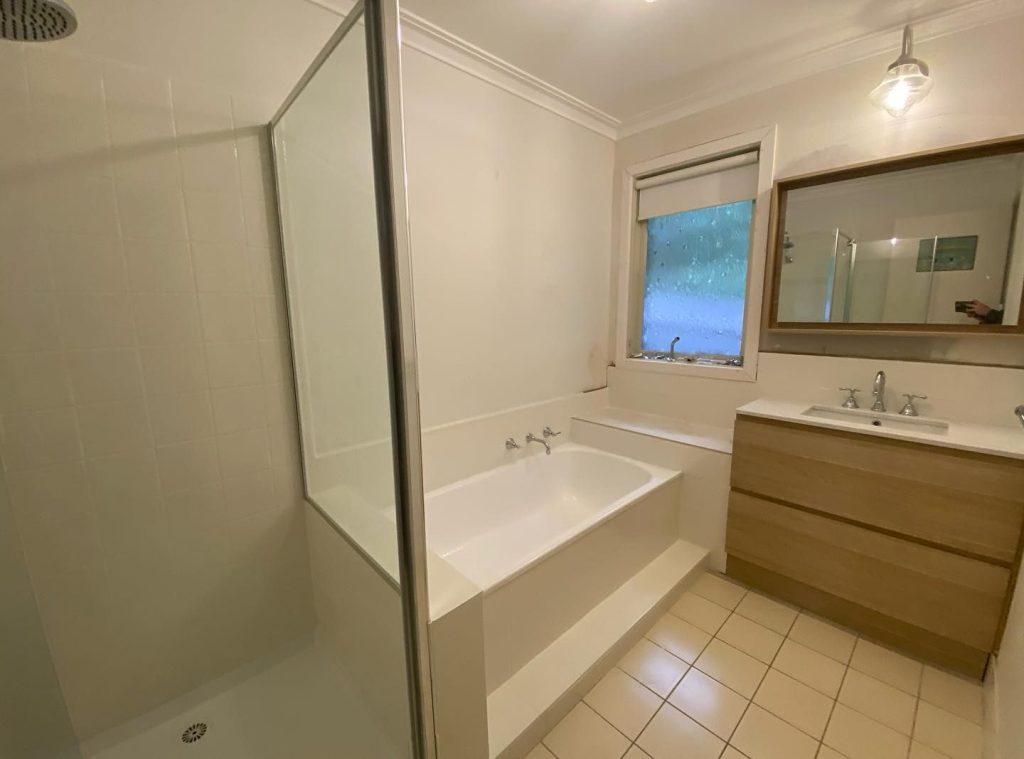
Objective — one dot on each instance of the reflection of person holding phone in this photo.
(983, 313)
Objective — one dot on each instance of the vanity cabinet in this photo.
(914, 545)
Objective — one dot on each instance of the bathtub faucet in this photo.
(531, 438)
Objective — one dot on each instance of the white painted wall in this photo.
(510, 207)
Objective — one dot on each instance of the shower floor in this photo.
(291, 705)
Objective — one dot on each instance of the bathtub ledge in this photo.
(532, 701)
(662, 427)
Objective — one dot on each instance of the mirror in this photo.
(932, 243)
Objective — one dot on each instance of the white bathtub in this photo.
(547, 538)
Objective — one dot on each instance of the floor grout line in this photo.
(690, 666)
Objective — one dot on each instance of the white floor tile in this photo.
(799, 705)
(860, 737)
(762, 735)
(955, 694)
(878, 700)
(700, 612)
(679, 637)
(751, 638)
(673, 735)
(888, 666)
(654, 667)
(823, 637)
(952, 735)
(921, 751)
(540, 752)
(732, 667)
(824, 752)
(731, 753)
(770, 613)
(635, 753)
(820, 672)
(624, 702)
(584, 735)
(718, 589)
(709, 702)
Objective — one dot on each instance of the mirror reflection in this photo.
(932, 246)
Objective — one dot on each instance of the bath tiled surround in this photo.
(729, 673)
(147, 427)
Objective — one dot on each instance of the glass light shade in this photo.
(904, 85)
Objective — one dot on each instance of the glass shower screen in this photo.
(341, 189)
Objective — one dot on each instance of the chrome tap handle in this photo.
(511, 444)
(1019, 413)
(548, 432)
(908, 407)
(851, 399)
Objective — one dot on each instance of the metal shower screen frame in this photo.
(383, 54)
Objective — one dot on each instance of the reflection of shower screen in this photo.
(840, 278)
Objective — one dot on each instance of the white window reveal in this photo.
(695, 288)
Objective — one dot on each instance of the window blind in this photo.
(713, 183)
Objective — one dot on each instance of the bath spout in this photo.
(531, 438)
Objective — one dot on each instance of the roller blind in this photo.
(714, 183)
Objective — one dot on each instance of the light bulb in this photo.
(906, 83)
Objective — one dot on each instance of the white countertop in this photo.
(999, 441)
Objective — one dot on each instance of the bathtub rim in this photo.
(660, 477)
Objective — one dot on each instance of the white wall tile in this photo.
(180, 417)
(31, 439)
(105, 374)
(189, 465)
(33, 381)
(227, 317)
(221, 267)
(242, 453)
(214, 216)
(24, 264)
(158, 265)
(95, 320)
(238, 409)
(166, 318)
(174, 368)
(234, 364)
(113, 427)
(86, 264)
(28, 322)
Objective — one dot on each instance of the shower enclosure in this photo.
(340, 170)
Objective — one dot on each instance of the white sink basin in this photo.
(875, 419)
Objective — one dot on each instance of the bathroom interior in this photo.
(439, 379)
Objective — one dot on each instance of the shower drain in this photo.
(192, 733)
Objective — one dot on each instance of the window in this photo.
(693, 275)
(696, 280)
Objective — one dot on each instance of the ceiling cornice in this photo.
(959, 19)
(428, 38)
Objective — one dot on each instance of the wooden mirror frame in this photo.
(776, 232)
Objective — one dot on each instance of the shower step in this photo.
(525, 708)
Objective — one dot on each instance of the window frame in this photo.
(633, 255)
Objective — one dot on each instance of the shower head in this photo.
(36, 20)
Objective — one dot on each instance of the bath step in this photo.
(533, 700)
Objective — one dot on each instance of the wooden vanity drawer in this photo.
(950, 596)
(971, 503)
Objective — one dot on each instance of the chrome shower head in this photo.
(36, 20)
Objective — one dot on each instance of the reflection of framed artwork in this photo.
(951, 253)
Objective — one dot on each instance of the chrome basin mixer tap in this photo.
(878, 391)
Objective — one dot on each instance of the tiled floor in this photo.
(730, 673)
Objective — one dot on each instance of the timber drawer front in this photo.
(912, 544)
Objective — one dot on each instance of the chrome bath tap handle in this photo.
(908, 407)
(511, 444)
(1019, 411)
(851, 399)
(548, 432)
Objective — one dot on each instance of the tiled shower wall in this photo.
(147, 427)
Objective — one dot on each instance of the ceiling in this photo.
(630, 58)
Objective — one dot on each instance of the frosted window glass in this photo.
(696, 280)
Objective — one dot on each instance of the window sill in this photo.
(745, 373)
